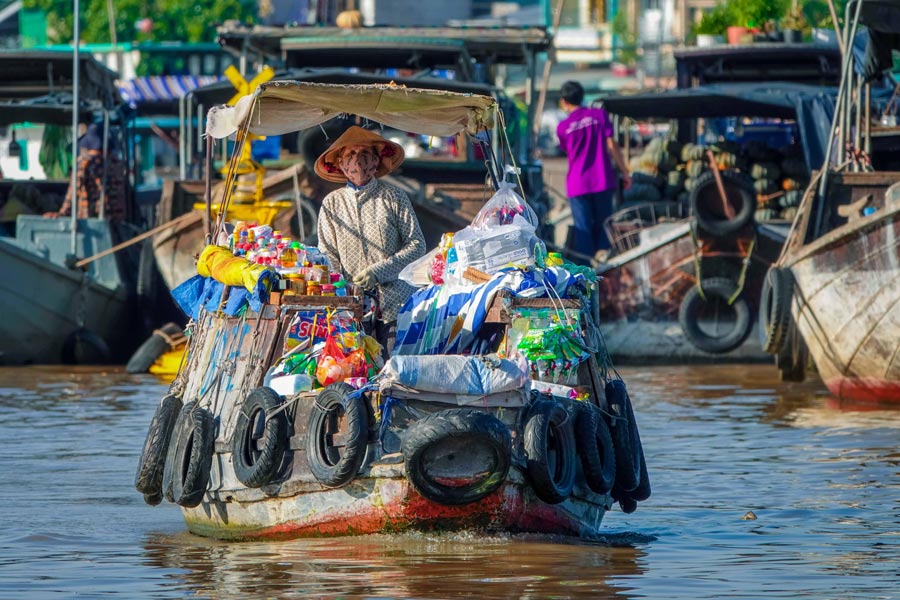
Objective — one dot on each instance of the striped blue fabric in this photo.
(446, 319)
(160, 88)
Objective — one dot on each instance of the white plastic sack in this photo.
(491, 248)
(418, 272)
(453, 374)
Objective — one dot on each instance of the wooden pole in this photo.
(726, 206)
(176, 221)
(837, 26)
(207, 215)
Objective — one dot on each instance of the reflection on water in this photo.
(403, 566)
(821, 477)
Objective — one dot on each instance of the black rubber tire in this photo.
(442, 436)
(153, 499)
(626, 503)
(621, 428)
(152, 348)
(255, 466)
(595, 448)
(189, 457)
(642, 491)
(693, 303)
(148, 479)
(84, 347)
(775, 309)
(548, 432)
(331, 465)
(706, 204)
(793, 357)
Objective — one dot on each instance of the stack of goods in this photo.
(497, 257)
(655, 173)
(503, 234)
(322, 347)
(551, 342)
(304, 270)
(668, 171)
(779, 178)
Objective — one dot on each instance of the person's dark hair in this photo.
(572, 92)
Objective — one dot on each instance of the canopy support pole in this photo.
(842, 101)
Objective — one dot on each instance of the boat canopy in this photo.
(812, 64)
(280, 107)
(882, 18)
(33, 73)
(221, 91)
(49, 110)
(384, 46)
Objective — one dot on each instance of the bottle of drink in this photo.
(288, 258)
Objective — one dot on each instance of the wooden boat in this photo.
(668, 253)
(246, 462)
(645, 288)
(842, 293)
(56, 312)
(834, 296)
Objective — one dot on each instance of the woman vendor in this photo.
(368, 228)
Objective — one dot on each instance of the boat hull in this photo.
(389, 504)
(643, 288)
(42, 303)
(380, 497)
(846, 305)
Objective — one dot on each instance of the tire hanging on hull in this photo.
(443, 449)
(595, 448)
(694, 304)
(259, 441)
(188, 461)
(149, 476)
(550, 451)
(334, 463)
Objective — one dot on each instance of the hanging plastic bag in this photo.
(332, 366)
(503, 207)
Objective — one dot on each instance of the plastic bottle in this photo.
(288, 258)
(452, 261)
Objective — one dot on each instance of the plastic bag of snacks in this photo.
(332, 365)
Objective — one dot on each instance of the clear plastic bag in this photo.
(502, 209)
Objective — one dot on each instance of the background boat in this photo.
(834, 294)
(57, 312)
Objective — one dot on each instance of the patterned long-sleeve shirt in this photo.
(90, 186)
(373, 226)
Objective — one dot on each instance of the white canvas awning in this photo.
(280, 107)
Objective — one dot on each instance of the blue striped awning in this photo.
(162, 88)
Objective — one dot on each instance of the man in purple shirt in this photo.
(586, 136)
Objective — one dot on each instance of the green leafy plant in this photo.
(717, 20)
(183, 20)
(626, 48)
(743, 13)
(794, 19)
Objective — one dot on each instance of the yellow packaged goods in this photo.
(220, 264)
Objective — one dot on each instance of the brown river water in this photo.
(822, 479)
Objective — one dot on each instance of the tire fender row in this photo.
(439, 450)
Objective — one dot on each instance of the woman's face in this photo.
(358, 164)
